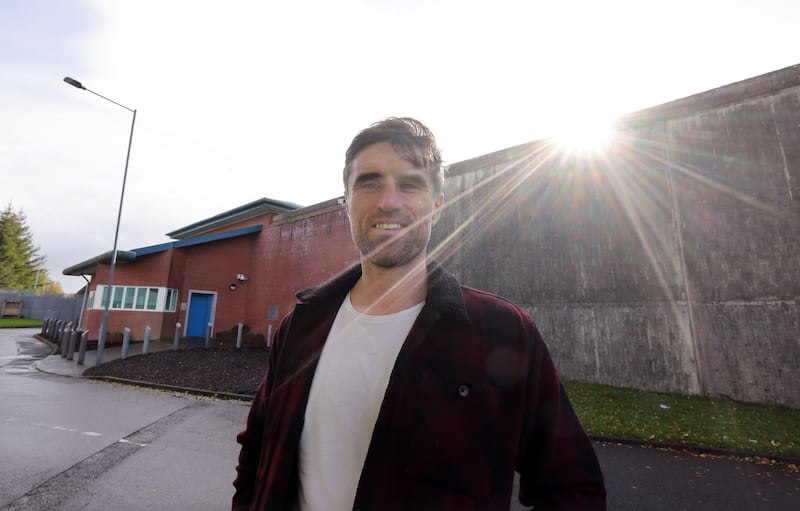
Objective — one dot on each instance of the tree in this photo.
(20, 260)
(52, 288)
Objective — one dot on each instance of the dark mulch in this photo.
(229, 370)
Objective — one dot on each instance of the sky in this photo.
(245, 99)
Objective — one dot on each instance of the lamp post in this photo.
(101, 341)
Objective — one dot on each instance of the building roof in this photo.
(89, 267)
(245, 212)
(193, 234)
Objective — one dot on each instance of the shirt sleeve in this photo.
(252, 437)
(557, 463)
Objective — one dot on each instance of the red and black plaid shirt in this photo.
(473, 396)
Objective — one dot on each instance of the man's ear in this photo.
(437, 209)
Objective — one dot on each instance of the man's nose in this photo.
(389, 199)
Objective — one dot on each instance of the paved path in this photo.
(182, 456)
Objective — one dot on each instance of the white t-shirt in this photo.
(343, 404)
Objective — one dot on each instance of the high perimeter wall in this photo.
(669, 263)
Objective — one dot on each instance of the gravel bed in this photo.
(229, 370)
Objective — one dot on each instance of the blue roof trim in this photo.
(89, 267)
(152, 249)
(197, 240)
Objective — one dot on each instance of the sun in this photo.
(584, 134)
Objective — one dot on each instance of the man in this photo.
(392, 387)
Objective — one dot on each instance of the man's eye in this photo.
(410, 186)
(369, 186)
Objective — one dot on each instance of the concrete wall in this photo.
(671, 262)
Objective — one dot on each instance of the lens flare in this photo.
(584, 136)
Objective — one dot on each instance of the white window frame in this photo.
(142, 292)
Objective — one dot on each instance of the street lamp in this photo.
(101, 341)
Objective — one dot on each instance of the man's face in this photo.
(391, 205)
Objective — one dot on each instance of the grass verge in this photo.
(19, 322)
(688, 420)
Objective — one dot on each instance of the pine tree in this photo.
(19, 257)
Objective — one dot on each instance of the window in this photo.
(152, 298)
(129, 293)
(135, 298)
(172, 300)
(117, 302)
(140, 296)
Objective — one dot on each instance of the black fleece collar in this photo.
(444, 292)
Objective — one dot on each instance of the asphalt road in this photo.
(72, 444)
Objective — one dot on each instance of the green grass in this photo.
(19, 322)
(689, 420)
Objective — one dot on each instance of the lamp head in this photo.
(74, 82)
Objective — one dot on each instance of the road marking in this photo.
(124, 441)
(54, 428)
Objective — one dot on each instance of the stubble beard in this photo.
(394, 253)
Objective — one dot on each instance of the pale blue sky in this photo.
(242, 99)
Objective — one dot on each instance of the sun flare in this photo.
(584, 135)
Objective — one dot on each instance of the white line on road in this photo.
(123, 441)
(54, 428)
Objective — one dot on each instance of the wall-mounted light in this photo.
(232, 287)
(241, 277)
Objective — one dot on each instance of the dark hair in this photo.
(412, 140)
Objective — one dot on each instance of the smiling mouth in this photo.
(388, 227)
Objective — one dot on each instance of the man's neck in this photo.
(382, 291)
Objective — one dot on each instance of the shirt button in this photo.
(463, 391)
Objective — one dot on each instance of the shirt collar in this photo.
(444, 291)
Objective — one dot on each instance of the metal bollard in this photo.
(239, 335)
(126, 342)
(57, 336)
(208, 336)
(44, 326)
(269, 336)
(82, 350)
(146, 345)
(73, 339)
(64, 340)
(177, 336)
(56, 330)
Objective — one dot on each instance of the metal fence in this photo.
(36, 306)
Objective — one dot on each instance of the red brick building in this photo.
(244, 265)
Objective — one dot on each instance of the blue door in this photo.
(199, 314)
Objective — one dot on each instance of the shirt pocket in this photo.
(454, 437)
